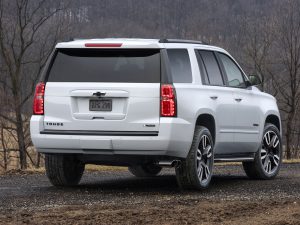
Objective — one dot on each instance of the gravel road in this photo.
(116, 197)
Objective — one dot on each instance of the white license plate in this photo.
(101, 105)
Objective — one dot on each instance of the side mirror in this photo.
(254, 80)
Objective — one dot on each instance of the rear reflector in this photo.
(38, 101)
(103, 45)
(168, 101)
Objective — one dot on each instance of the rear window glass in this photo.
(212, 68)
(98, 65)
(203, 72)
(180, 65)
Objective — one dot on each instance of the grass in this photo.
(41, 170)
(288, 161)
(90, 167)
(291, 161)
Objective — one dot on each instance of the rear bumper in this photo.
(173, 139)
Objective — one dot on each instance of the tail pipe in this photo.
(169, 163)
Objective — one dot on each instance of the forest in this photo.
(263, 35)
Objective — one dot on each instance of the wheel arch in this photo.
(207, 120)
(273, 119)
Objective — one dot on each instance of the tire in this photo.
(145, 170)
(63, 170)
(267, 160)
(199, 162)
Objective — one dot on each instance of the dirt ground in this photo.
(178, 212)
(116, 197)
(170, 212)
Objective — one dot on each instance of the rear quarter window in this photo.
(100, 65)
(180, 65)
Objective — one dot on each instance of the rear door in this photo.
(103, 90)
(220, 98)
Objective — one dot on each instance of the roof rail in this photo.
(181, 41)
(76, 39)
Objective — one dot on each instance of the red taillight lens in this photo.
(168, 101)
(38, 101)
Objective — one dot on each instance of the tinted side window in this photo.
(100, 65)
(212, 68)
(234, 74)
(180, 65)
(202, 69)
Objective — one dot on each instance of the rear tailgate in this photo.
(103, 91)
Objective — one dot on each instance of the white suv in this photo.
(146, 104)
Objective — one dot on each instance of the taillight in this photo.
(168, 101)
(38, 101)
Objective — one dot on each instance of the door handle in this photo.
(238, 99)
(214, 97)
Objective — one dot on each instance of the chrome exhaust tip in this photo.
(169, 163)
